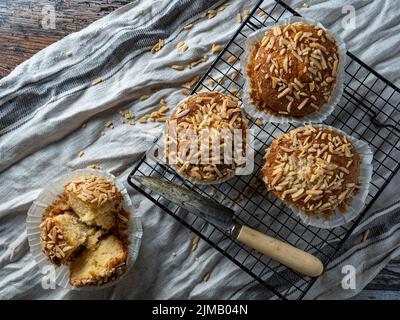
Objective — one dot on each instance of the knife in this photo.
(222, 218)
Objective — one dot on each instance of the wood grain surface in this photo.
(22, 35)
(21, 25)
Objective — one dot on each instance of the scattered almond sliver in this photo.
(128, 115)
(195, 242)
(97, 81)
(231, 59)
(182, 46)
(215, 48)
(196, 62)
(238, 18)
(177, 67)
(211, 13)
(191, 83)
(365, 235)
(159, 115)
(233, 90)
(206, 277)
(109, 124)
(188, 26)
(144, 97)
(234, 75)
(158, 46)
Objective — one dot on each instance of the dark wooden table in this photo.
(22, 35)
(21, 31)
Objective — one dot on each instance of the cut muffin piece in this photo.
(93, 239)
(100, 264)
(315, 169)
(95, 200)
(293, 70)
(206, 137)
(57, 207)
(61, 236)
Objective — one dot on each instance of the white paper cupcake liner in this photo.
(157, 153)
(315, 117)
(339, 218)
(48, 195)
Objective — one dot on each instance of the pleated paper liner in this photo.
(48, 195)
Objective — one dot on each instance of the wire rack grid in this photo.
(369, 110)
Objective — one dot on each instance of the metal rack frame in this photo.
(368, 110)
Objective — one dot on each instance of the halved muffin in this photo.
(99, 264)
(95, 200)
(62, 235)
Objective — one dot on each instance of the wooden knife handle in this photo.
(282, 252)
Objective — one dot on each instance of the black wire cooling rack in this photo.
(368, 110)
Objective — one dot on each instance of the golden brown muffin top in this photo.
(316, 169)
(200, 112)
(93, 190)
(293, 69)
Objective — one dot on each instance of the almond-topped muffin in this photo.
(206, 137)
(293, 70)
(315, 169)
(95, 200)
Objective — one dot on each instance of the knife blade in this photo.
(222, 217)
(211, 211)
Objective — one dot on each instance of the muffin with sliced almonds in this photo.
(206, 136)
(293, 70)
(314, 169)
(86, 229)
